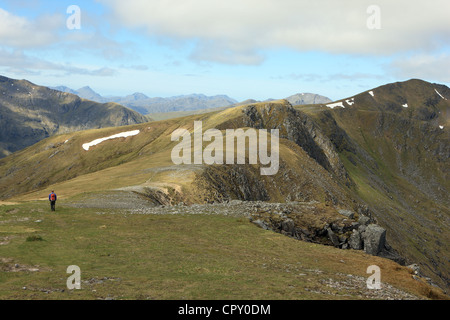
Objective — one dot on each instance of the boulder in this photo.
(374, 239)
(355, 241)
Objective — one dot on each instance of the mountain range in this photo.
(146, 105)
(376, 161)
(184, 103)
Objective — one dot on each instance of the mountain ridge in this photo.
(369, 155)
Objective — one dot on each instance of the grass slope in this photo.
(124, 256)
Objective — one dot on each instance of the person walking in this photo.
(52, 198)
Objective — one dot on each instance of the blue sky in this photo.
(246, 49)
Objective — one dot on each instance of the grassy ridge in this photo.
(173, 257)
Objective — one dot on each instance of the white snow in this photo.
(350, 101)
(405, 105)
(334, 105)
(66, 141)
(86, 146)
(440, 95)
(371, 93)
(442, 127)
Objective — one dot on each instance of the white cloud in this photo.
(234, 31)
(19, 63)
(423, 66)
(316, 77)
(19, 32)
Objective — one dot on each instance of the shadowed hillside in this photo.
(30, 113)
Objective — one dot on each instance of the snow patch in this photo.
(350, 101)
(440, 94)
(441, 127)
(371, 93)
(86, 146)
(334, 105)
(405, 105)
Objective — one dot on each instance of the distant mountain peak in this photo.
(307, 98)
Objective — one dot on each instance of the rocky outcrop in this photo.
(313, 223)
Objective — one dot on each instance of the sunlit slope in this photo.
(144, 161)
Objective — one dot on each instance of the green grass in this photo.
(164, 257)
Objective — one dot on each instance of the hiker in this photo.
(52, 199)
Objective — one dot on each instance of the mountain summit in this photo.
(307, 98)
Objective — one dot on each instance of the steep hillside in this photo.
(394, 143)
(378, 157)
(30, 113)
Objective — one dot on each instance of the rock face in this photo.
(298, 128)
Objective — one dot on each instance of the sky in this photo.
(246, 49)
